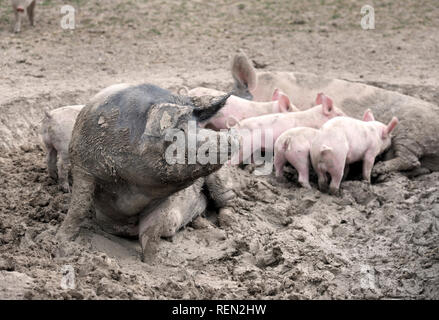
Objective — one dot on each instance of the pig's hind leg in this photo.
(51, 159)
(30, 12)
(336, 172)
(300, 161)
(320, 169)
(279, 163)
(17, 23)
(63, 172)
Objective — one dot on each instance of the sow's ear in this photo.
(165, 116)
(326, 103)
(392, 124)
(243, 72)
(205, 107)
(368, 116)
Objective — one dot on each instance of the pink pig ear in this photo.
(319, 99)
(368, 116)
(284, 102)
(326, 103)
(392, 124)
(275, 95)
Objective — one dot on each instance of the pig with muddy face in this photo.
(21, 7)
(56, 131)
(119, 164)
(415, 143)
(342, 141)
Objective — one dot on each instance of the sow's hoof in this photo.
(149, 244)
(227, 218)
(68, 248)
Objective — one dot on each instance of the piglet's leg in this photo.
(304, 176)
(80, 203)
(300, 161)
(17, 25)
(30, 12)
(279, 163)
(336, 173)
(323, 180)
(346, 171)
(51, 162)
(335, 182)
(63, 173)
(368, 162)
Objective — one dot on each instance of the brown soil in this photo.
(283, 241)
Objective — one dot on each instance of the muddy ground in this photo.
(282, 242)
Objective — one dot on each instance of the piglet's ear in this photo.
(319, 98)
(275, 95)
(326, 103)
(392, 124)
(284, 102)
(368, 116)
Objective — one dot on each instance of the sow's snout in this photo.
(215, 147)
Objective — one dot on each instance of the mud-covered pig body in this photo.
(120, 163)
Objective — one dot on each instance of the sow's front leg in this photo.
(168, 217)
(407, 154)
(80, 203)
(221, 187)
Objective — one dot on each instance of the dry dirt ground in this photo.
(283, 242)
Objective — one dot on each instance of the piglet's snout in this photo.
(20, 9)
